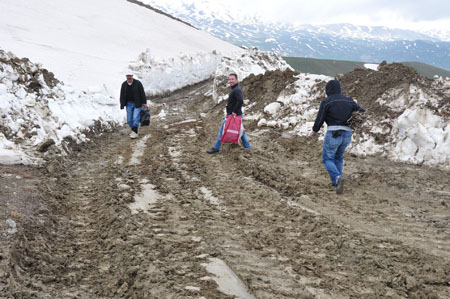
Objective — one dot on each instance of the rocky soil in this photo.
(157, 217)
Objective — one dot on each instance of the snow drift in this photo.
(37, 108)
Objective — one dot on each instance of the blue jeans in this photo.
(133, 115)
(244, 139)
(333, 153)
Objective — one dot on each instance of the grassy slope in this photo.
(332, 67)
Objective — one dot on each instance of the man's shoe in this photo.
(133, 135)
(340, 185)
(212, 151)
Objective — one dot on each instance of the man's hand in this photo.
(144, 106)
(313, 134)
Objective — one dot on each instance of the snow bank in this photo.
(163, 75)
(422, 131)
(371, 66)
(420, 134)
(35, 107)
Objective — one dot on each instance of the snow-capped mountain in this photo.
(337, 41)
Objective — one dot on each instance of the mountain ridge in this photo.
(335, 41)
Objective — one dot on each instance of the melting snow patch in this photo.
(208, 195)
(162, 114)
(227, 280)
(138, 151)
(192, 289)
(174, 152)
(119, 160)
(371, 66)
(145, 199)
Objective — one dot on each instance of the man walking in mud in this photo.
(335, 110)
(234, 107)
(132, 96)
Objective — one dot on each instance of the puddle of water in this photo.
(138, 151)
(145, 199)
(227, 280)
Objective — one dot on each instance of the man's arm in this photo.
(122, 96)
(239, 101)
(320, 118)
(142, 94)
(358, 108)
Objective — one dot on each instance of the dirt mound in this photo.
(366, 85)
(265, 88)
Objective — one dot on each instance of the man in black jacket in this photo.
(132, 96)
(234, 107)
(335, 110)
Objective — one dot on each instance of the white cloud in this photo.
(430, 14)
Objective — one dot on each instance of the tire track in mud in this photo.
(316, 252)
(153, 218)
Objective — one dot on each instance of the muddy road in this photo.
(157, 217)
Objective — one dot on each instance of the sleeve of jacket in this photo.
(142, 93)
(239, 100)
(122, 96)
(320, 118)
(358, 108)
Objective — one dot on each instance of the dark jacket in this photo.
(235, 100)
(138, 94)
(336, 109)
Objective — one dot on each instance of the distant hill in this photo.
(333, 67)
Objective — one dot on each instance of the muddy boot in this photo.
(212, 151)
(340, 185)
(134, 133)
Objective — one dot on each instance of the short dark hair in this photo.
(233, 74)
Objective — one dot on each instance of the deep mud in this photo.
(268, 214)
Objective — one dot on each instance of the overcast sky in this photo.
(391, 13)
(405, 14)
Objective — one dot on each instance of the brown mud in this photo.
(269, 214)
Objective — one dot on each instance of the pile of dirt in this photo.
(265, 88)
(366, 85)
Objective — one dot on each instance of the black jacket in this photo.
(235, 100)
(336, 109)
(138, 94)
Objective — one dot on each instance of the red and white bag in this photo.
(233, 129)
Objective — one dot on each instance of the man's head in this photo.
(233, 79)
(129, 75)
(333, 87)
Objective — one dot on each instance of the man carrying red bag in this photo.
(234, 113)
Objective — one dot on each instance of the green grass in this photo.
(331, 67)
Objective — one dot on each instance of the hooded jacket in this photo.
(138, 94)
(336, 109)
